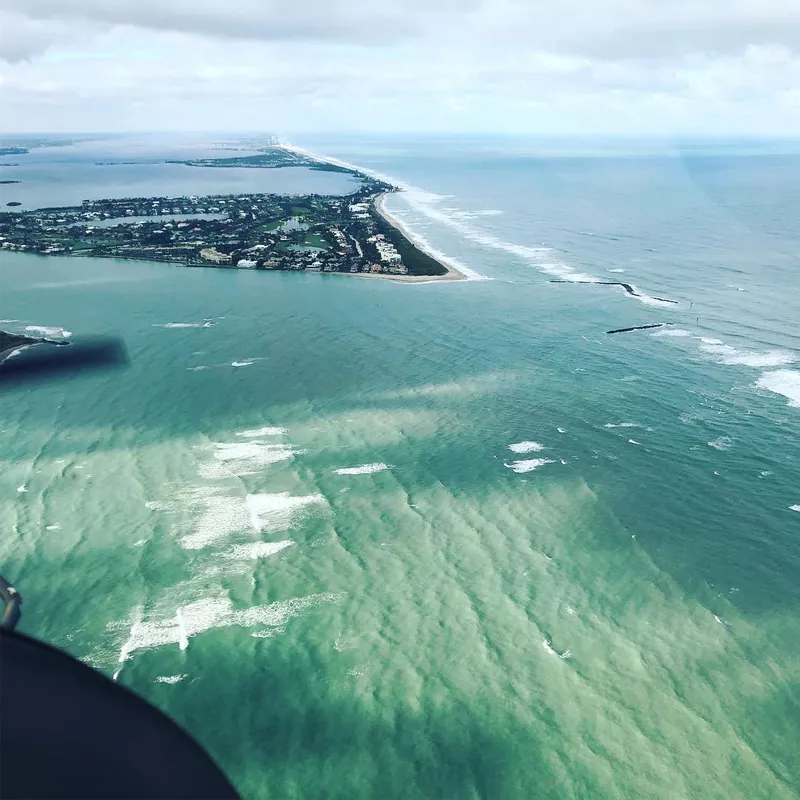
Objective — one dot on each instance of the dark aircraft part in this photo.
(70, 732)
(12, 600)
(53, 359)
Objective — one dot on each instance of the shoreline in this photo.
(452, 274)
(420, 256)
(378, 203)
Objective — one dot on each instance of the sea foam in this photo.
(170, 679)
(677, 333)
(722, 443)
(726, 354)
(256, 433)
(177, 626)
(274, 512)
(785, 382)
(252, 455)
(526, 447)
(258, 550)
(529, 465)
(364, 469)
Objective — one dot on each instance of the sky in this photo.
(634, 67)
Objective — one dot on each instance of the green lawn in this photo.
(271, 226)
(314, 240)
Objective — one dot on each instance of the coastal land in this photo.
(350, 235)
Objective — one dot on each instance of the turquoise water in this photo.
(447, 617)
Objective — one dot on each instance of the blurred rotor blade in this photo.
(57, 359)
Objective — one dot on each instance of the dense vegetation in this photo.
(274, 158)
(417, 262)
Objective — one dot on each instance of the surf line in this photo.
(626, 286)
(641, 327)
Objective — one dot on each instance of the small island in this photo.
(352, 234)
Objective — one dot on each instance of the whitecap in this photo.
(22, 489)
(159, 505)
(170, 679)
(224, 515)
(722, 443)
(526, 447)
(274, 512)
(267, 431)
(246, 363)
(254, 453)
(258, 550)
(785, 382)
(561, 430)
(220, 517)
(633, 441)
(678, 333)
(726, 354)
(176, 626)
(794, 508)
(772, 358)
(529, 465)
(622, 425)
(269, 633)
(183, 325)
(364, 469)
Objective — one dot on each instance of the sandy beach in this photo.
(452, 273)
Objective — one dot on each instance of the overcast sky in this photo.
(545, 66)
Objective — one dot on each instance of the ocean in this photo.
(449, 540)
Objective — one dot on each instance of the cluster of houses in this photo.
(387, 252)
(318, 233)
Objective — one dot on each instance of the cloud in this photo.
(345, 21)
(23, 38)
(597, 28)
(503, 65)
